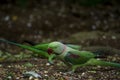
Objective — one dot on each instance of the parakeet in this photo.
(70, 54)
(41, 49)
(77, 58)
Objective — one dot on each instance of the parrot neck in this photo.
(64, 49)
(63, 52)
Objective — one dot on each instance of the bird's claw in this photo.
(50, 59)
(51, 62)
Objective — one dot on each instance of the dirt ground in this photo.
(55, 20)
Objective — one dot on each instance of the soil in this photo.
(48, 21)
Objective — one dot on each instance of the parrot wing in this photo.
(43, 47)
(78, 57)
(77, 47)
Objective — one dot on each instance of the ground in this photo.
(69, 23)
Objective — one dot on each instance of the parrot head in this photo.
(56, 48)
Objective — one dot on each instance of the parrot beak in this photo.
(50, 51)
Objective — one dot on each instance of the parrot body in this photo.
(77, 58)
(70, 54)
(38, 49)
(41, 49)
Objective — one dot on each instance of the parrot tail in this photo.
(26, 47)
(103, 63)
(14, 43)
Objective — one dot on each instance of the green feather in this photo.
(77, 47)
(77, 58)
(43, 47)
(38, 51)
(102, 63)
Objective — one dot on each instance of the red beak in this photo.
(50, 51)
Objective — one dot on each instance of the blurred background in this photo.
(84, 22)
(93, 24)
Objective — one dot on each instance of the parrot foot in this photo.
(51, 62)
(50, 59)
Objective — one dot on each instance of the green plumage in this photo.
(43, 47)
(38, 49)
(68, 53)
(102, 63)
(44, 54)
(77, 58)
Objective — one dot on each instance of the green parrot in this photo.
(68, 53)
(77, 58)
(38, 49)
(41, 49)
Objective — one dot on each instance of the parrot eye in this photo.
(50, 51)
